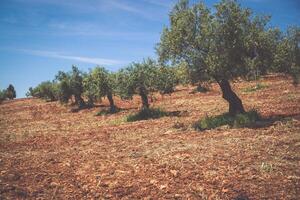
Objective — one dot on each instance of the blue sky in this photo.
(40, 37)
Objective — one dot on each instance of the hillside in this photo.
(48, 152)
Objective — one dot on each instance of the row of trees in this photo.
(9, 93)
(86, 88)
(202, 45)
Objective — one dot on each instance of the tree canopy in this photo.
(47, 90)
(11, 92)
(99, 83)
(71, 84)
(144, 78)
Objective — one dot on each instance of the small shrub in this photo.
(241, 120)
(213, 122)
(246, 119)
(2, 95)
(258, 86)
(144, 114)
(266, 167)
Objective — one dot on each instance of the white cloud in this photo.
(53, 54)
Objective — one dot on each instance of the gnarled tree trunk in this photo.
(144, 97)
(235, 103)
(111, 102)
(79, 101)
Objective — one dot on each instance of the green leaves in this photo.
(225, 44)
(144, 78)
(46, 90)
(70, 84)
(136, 76)
(98, 83)
(10, 92)
(287, 57)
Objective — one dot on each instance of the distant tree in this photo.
(144, 78)
(10, 92)
(2, 95)
(71, 84)
(219, 45)
(76, 84)
(30, 92)
(99, 83)
(90, 89)
(64, 86)
(138, 78)
(287, 56)
(165, 79)
(47, 90)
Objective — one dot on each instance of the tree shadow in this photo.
(85, 107)
(153, 113)
(269, 121)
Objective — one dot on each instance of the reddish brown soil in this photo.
(48, 152)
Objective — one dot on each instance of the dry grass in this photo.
(47, 152)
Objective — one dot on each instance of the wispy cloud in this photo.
(97, 6)
(129, 8)
(94, 30)
(166, 4)
(54, 54)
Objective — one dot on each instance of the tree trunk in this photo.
(144, 97)
(111, 102)
(235, 103)
(79, 101)
(90, 102)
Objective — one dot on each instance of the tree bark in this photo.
(79, 101)
(111, 102)
(235, 103)
(144, 97)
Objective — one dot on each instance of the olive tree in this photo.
(71, 84)
(137, 78)
(144, 78)
(47, 90)
(10, 92)
(165, 80)
(217, 45)
(2, 95)
(287, 56)
(99, 83)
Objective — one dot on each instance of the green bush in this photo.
(45, 90)
(241, 120)
(2, 95)
(144, 114)
(11, 92)
(246, 119)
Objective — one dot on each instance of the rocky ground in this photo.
(48, 152)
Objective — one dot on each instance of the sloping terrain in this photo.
(48, 152)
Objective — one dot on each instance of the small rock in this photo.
(162, 187)
(153, 181)
(54, 184)
(67, 164)
(174, 172)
